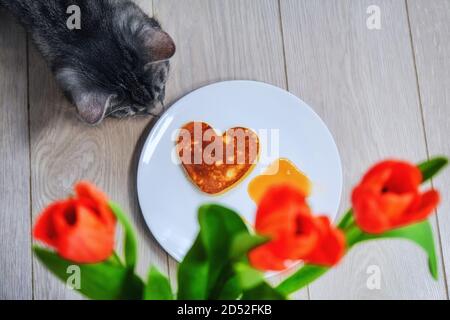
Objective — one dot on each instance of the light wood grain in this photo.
(383, 94)
(362, 83)
(430, 28)
(222, 40)
(64, 151)
(15, 250)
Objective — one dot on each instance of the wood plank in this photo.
(15, 221)
(362, 83)
(222, 40)
(65, 151)
(430, 28)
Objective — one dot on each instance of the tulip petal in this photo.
(45, 229)
(97, 200)
(395, 175)
(394, 205)
(388, 197)
(405, 178)
(296, 234)
(279, 209)
(85, 189)
(264, 258)
(88, 241)
(331, 246)
(81, 228)
(367, 212)
(426, 205)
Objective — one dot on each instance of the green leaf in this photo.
(130, 242)
(419, 233)
(244, 242)
(219, 227)
(101, 281)
(132, 287)
(158, 286)
(207, 269)
(301, 278)
(216, 267)
(263, 292)
(231, 289)
(432, 167)
(248, 277)
(193, 273)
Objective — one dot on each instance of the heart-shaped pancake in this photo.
(216, 163)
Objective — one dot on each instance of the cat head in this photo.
(118, 65)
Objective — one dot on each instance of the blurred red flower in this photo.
(81, 229)
(388, 197)
(296, 234)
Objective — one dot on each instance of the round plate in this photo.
(169, 201)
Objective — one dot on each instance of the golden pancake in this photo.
(216, 163)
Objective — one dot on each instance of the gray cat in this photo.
(116, 64)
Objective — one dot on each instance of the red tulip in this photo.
(388, 197)
(81, 229)
(296, 234)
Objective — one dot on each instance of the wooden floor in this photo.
(383, 93)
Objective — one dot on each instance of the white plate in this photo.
(169, 201)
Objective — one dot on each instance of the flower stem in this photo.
(300, 279)
(353, 235)
(130, 240)
(347, 220)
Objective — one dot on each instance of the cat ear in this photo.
(92, 106)
(159, 44)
